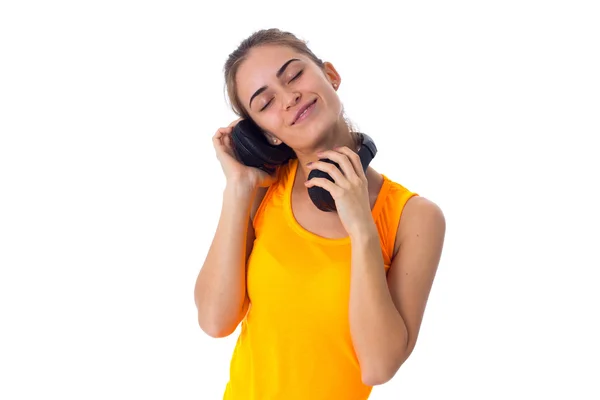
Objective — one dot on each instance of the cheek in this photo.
(269, 119)
(327, 91)
(333, 101)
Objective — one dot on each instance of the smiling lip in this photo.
(302, 114)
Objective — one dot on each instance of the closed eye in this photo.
(297, 75)
(266, 105)
(291, 80)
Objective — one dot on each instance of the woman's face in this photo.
(276, 83)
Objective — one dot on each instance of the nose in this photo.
(290, 99)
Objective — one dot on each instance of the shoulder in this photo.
(420, 217)
(281, 176)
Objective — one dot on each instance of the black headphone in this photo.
(254, 150)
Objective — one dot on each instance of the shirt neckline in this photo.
(293, 222)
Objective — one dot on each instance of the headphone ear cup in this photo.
(319, 196)
(254, 150)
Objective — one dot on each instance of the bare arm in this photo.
(386, 312)
(220, 291)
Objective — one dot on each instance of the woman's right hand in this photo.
(235, 172)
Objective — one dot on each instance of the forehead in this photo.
(260, 66)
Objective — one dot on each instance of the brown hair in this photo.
(263, 37)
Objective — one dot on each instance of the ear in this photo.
(332, 75)
(272, 139)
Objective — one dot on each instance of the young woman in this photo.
(330, 302)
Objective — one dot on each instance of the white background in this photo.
(110, 191)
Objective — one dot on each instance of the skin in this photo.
(386, 310)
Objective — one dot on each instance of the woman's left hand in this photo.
(349, 189)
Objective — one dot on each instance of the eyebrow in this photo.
(278, 75)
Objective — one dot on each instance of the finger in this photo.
(341, 159)
(221, 132)
(218, 140)
(218, 134)
(329, 168)
(226, 130)
(227, 141)
(324, 183)
(234, 123)
(354, 158)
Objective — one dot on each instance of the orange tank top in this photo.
(295, 340)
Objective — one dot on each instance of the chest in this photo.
(293, 278)
(310, 218)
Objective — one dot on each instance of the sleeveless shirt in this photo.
(295, 341)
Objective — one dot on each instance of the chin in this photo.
(318, 131)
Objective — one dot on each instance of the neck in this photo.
(339, 136)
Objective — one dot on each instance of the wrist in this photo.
(239, 188)
(364, 233)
